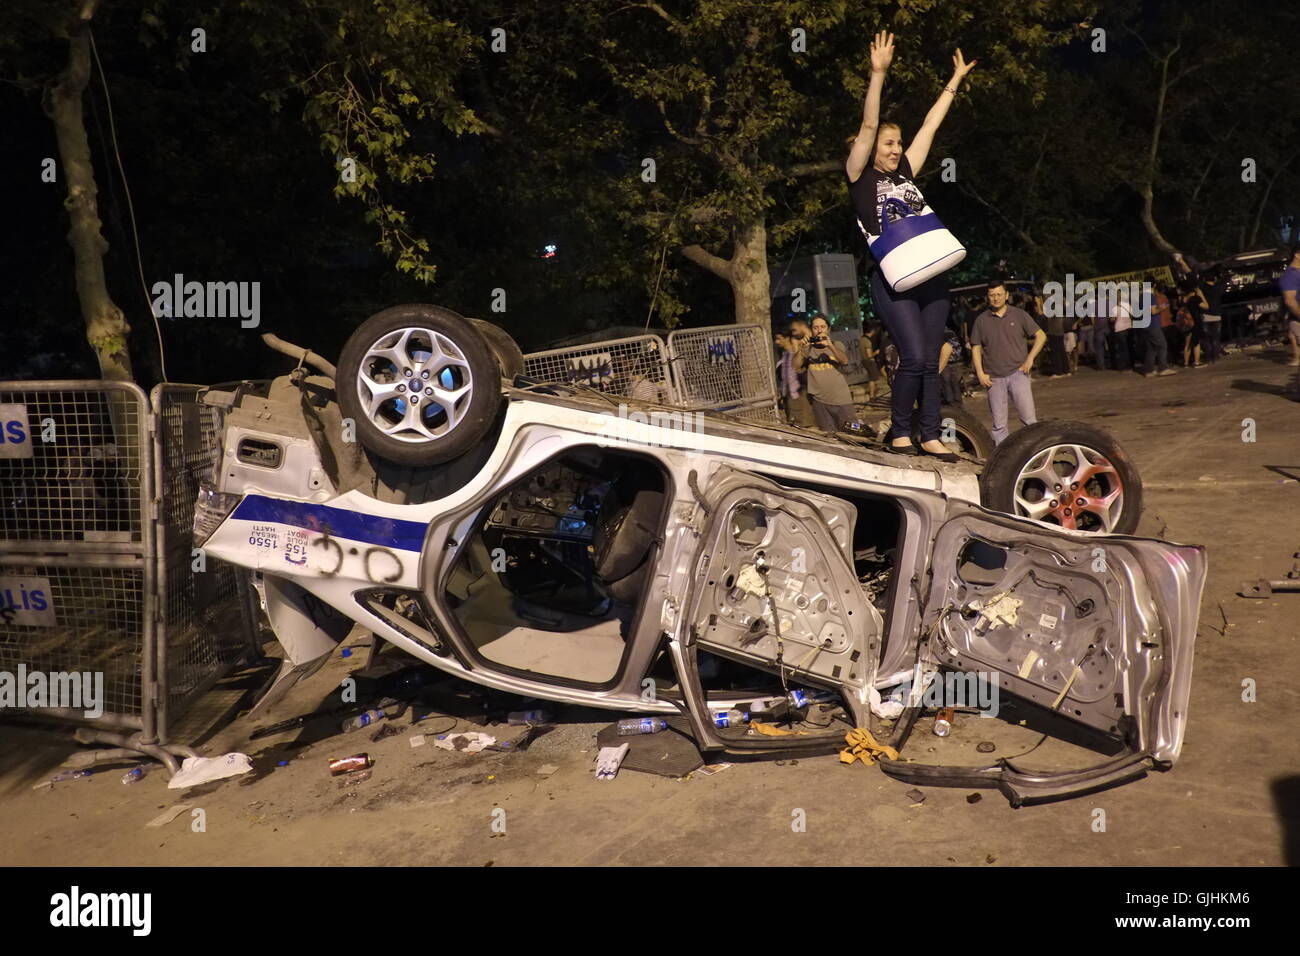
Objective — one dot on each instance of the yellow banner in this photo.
(1154, 274)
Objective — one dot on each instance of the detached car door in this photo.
(772, 584)
(1099, 629)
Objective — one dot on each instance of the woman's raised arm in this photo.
(882, 53)
(924, 138)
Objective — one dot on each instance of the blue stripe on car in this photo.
(387, 532)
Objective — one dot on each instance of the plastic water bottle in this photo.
(69, 775)
(362, 720)
(641, 725)
(134, 775)
(730, 718)
(520, 717)
(800, 698)
(768, 706)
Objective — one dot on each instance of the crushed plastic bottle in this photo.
(521, 717)
(641, 725)
(730, 718)
(362, 720)
(800, 698)
(70, 775)
(134, 775)
(770, 707)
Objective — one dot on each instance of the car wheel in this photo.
(965, 435)
(1064, 473)
(509, 356)
(421, 384)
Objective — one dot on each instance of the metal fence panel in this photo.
(636, 366)
(73, 467)
(96, 624)
(206, 620)
(727, 368)
(76, 585)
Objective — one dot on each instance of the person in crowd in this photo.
(1054, 325)
(1100, 337)
(1156, 360)
(790, 383)
(1193, 300)
(821, 358)
(870, 348)
(879, 169)
(950, 368)
(1003, 359)
(1168, 328)
(1211, 289)
(1289, 284)
(1072, 338)
(972, 306)
(1121, 327)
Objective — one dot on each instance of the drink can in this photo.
(342, 765)
(943, 721)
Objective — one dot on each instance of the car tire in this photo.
(509, 356)
(972, 437)
(1023, 475)
(464, 379)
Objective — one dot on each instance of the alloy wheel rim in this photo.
(1073, 486)
(415, 385)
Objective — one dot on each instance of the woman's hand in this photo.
(882, 52)
(959, 65)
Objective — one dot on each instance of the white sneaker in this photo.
(1168, 371)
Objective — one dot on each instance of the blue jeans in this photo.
(1017, 386)
(915, 321)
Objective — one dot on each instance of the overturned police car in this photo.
(565, 544)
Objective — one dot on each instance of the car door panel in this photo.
(762, 548)
(1099, 629)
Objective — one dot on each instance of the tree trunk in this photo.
(746, 273)
(751, 285)
(106, 327)
(1153, 157)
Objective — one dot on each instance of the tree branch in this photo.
(672, 130)
(706, 260)
(1024, 236)
(818, 168)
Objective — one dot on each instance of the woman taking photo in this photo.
(880, 169)
(821, 358)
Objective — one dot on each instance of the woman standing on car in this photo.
(879, 169)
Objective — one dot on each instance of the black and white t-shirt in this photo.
(873, 188)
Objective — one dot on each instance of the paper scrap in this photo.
(197, 770)
(168, 815)
(469, 742)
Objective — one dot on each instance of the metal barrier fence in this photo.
(727, 368)
(207, 615)
(75, 579)
(97, 491)
(723, 368)
(636, 366)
